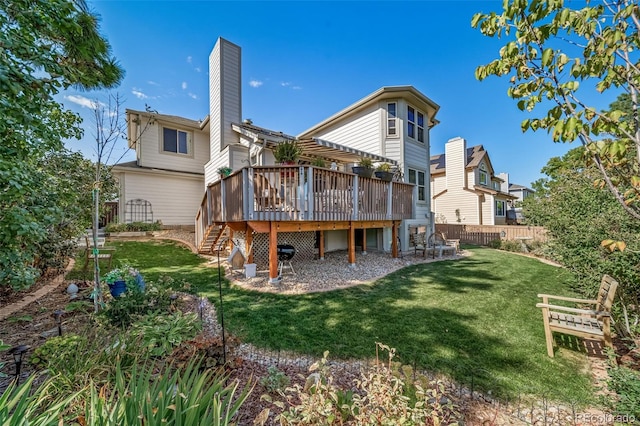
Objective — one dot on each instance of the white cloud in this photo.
(138, 93)
(193, 95)
(189, 58)
(82, 101)
(198, 69)
(289, 84)
(153, 83)
(184, 85)
(255, 83)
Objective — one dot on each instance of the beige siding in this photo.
(456, 158)
(438, 184)
(464, 201)
(488, 210)
(151, 154)
(361, 131)
(174, 198)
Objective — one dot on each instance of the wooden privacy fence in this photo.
(482, 235)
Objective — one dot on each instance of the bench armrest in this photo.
(574, 310)
(568, 299)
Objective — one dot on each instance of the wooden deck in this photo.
(303, 198)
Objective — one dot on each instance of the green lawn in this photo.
(472, 319)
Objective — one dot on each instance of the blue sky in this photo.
(303, 61)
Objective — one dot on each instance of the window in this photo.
(415, 124)
(411, 120)
(417, 177)
(483, 176)
(500, 208)
(496, 186)
(176, 141)
(392, 129)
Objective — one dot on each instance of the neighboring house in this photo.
(465, 188)
(165, 181)
(518, 191)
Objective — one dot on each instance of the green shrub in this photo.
(511, 245)
(184, 397)
(159, 334)
(626, 384)
(56, 348)
(122, 311)
(20, 406)
(380, 398)
(133, 227)
(495, 244)
(275, 380)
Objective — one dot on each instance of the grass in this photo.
(473, 319)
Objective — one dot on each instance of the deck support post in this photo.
(249, 239)
(394, 240)
(351, 240)
(273, 253)
(364, 240)
(321, 245)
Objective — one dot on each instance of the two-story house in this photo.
(263, 205)
(166, 179)
(465, 188)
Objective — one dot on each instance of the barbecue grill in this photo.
(285, 254)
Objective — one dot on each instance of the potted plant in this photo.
(287, 152)
(224, 172)
(383, 172)
(319, 162)
(364, 167)
(122, 279)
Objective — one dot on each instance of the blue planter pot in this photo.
(117, 288)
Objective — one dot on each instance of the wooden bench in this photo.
(587, 323)
(90, 253)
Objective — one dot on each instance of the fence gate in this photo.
(138, 210)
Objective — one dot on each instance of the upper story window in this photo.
(176, 141)
(496, 185)
(415, 124)
(417, 177)
(483, 176)
(392, 119)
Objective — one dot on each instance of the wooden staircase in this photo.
(215, 233)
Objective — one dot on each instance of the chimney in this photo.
(225, 94)
(456, 163)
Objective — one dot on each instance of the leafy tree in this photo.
(46, 46)
(556, 54)
(578, 216)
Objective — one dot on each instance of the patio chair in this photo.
(437, 242)
(587, 323)
(418, 241)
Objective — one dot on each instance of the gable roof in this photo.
(387, 92)
(516, 187)
(187, 122)
(475, 155)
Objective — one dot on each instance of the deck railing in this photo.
(302, 193)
